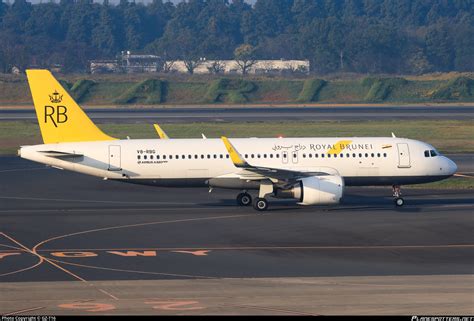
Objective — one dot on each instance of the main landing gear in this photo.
(259, 203)
(244, 199)
(398, 200)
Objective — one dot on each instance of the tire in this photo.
(260, 204)
(244, 199)
(399, 202)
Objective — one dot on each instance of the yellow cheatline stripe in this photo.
(386, 146)
(160, 132)
(234, 155)
(339, 146)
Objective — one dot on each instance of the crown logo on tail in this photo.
(55, 97)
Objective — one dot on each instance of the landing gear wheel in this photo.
(260, 204)
(244, 199)
(399, 201)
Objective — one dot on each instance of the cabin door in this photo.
(403, 156)
(114, 158)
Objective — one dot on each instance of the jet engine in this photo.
(315, 190)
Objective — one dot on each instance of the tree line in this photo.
(363, 36)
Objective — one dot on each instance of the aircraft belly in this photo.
(391, 180)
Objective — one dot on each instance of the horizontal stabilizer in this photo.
(58, 154)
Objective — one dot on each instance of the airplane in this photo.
(311, 170)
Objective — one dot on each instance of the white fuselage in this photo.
(197, 162)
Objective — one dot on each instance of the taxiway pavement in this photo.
(70, 244)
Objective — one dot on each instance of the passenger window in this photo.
(202, 156)
(190, 156)
(144, 157)
(348, 155)
(384, 154)
(215, 156)
(310, 155)
(277, 155)
(220, 156)
(151, 156)
(138, 157)
(378, 154)
(157, 156)
(227, 156)
(322, 155)
(195, 156)
(208, 156)
(258, 155)
(264, 155)
(354, 155)
(316, 155)
(360, 155)
(342, 155)
(304, 155)
(246, 155)
(271, 155)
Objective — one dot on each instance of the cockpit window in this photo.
(427, 153)
(433, 153)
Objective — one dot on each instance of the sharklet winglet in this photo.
(235, 156)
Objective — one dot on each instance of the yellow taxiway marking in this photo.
(23, 311)
(134, 271)
(250, 248)
(35, 248)
(44, 259)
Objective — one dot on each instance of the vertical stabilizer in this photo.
(60, 118)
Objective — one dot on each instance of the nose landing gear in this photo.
(398, 200)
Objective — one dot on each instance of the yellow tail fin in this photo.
(60, 118)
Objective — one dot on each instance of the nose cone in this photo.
(450, 167)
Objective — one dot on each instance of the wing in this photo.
(261, 172)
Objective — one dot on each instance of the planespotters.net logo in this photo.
(432, 318)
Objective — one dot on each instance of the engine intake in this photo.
(315, 190)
